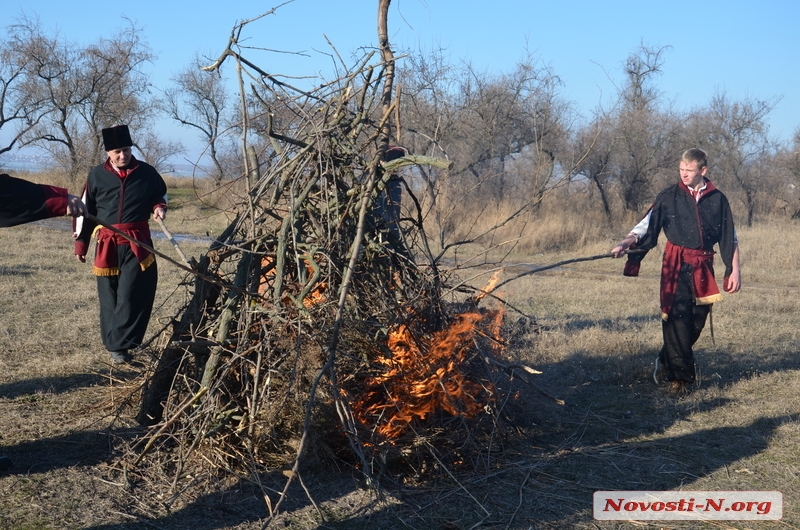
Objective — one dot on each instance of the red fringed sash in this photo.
(106, 262)
(702, 262)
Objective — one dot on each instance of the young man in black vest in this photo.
(694, 216)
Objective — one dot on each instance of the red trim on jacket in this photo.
(55, 200)
(123, 173)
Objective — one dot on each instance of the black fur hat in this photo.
(394, 152)
(116, 137)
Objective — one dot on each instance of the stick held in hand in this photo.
(172, 240)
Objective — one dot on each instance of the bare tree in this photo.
(737, 134)
(505, 134)
(645, 133)
(83, 90)
(503, 119)
(425, 82)
(20, 107)
(640, 67)
(201, 102)
(595, 143)
(156, 151)
(788, 162)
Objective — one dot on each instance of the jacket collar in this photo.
(707, 188)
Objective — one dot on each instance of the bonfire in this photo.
(317, 327)
(425, 373)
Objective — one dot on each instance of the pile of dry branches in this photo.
(317, 328)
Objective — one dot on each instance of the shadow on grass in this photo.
(50, 385)
(616, 431)
(608, 323)
(19, 270)
(242, 506)
(610, 435)
(555, 490)
(83, 448)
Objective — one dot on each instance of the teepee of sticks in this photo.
(327, 330)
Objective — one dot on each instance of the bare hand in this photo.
(80, 258)
(75, 206)
(625, 244)
(160, 213)
(733, 283)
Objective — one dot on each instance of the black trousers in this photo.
(126, 302)
(681, 330)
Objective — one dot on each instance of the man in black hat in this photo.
(122, 192)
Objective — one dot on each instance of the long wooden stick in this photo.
(187, 268)
(135, 241)
(172, 240)
(560, 263)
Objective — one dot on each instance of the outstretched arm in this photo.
(633, 236)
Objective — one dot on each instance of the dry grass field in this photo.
(592, 332)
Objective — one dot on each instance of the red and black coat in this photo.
(120, 199)
(23, 202)
(690, 223)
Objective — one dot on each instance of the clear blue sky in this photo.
(745, 48)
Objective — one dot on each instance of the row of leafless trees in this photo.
(57, 95)
(511, 136)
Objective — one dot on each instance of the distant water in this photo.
(30, 166)
(12, 164)
(65, 224)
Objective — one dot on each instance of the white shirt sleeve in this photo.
(641, 229)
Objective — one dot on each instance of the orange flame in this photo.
(315, 297)
(428, 374)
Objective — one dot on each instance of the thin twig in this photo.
(200, 393)
(443, 466)
(511, 369)
(521, 499)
